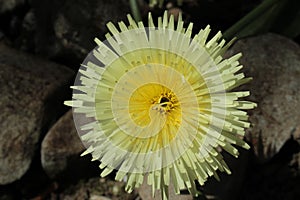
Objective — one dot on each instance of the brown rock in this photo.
(145, 192)
(32, 93)
(274, 63)
(61, 146)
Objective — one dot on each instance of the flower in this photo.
(156, 102)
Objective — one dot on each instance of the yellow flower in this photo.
(156, 102)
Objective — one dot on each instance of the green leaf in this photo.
(280, 16)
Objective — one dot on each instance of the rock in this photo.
(65, 30)
(274, 63)
(60, 153)
(145, 192)
(32, 94)
(96, 197)
(9, 5)
(25, 41)
(94, 189)
(61, 147)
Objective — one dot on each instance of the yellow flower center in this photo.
(154, 97)
(156, 109)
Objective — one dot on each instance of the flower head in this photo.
(156, 102)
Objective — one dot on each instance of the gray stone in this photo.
(145, 192)
(61, 147)
(65, 30)
(95, 189)
(96, 197)
(274, 63)
(32, 93)
(9, 5)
